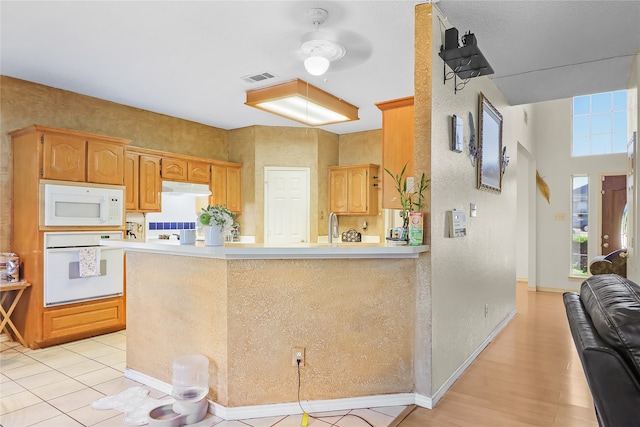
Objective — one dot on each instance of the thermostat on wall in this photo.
(457, 223)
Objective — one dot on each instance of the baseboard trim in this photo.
(557, 290)
(292, 408)
(458, 372)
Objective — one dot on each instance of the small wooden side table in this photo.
(6, 288)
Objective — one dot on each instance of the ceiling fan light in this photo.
(316, 65)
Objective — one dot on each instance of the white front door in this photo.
(286, 198)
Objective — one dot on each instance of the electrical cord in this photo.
(319, 418)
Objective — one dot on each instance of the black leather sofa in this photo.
(605, 324)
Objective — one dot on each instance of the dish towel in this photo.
(89, 264)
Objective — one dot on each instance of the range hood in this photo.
(179, 188)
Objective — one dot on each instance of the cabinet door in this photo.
(69, 321)
(338, 190)
(357, 189)
(218, 185)
(174, 169)
(397, 146)
(150, 184)
(198, 172)
(131, 181)
(234, 189)
(63, 157)
(105, 163)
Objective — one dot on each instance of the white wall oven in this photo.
(66, 204)
(78, 269)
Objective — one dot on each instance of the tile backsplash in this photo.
(179, 212)
(172, 225)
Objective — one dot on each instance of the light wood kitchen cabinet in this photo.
(75, 156)
(105, 162)
(234, 189)
(131, 180)
(218, 185)
(83, 318)
(150, 184)
(397, 146)
(143, 182)
(353, 190)
(174, 169)
(63, 157)
(39, 154)
(226, 186)
(198, 172)
(151, 167)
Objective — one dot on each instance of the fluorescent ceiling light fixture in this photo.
(298, 100)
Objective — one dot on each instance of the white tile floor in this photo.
(55, 387)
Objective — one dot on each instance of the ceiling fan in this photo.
(339, 49)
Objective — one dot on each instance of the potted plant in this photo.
(411, 198)
(218, 221)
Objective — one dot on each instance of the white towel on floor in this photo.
(89, 262)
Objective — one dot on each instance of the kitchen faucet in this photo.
(332, 228)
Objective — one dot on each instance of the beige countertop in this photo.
(262, 251)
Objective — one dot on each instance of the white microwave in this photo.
(84, 205)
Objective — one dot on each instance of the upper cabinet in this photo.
(397, 146)
(226, 186)
(353, 190)
(105, 162)
(131, 180)
(145, 170)
(75, 156)
(174, 169)
(198, 172)
(150, 190)
(143, 182)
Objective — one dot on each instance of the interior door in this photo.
(286, 205)
(614, 200)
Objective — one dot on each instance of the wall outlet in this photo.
(297, 353)
(486, 310)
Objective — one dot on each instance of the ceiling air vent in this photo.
(258, 77)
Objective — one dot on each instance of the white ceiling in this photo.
(187, 58)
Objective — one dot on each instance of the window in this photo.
(579, 226)
(600, 124)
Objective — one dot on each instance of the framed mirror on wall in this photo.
(489, 147)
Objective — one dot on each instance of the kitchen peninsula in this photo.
(246, 306)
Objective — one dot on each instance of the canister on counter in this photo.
(9, 267)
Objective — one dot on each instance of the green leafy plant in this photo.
(217, 215)
(411, 199)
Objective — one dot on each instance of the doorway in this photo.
(286, 205)
(614, 202)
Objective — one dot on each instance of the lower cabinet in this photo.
(104, 315)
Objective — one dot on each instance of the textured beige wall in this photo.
(176, 306)
(258, 147)
(359, 148)
(328, 155)
(24, 103)
(354, 317)
(478, 269)
(422, 163)
(242, 149)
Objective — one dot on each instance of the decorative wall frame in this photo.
(489, 147)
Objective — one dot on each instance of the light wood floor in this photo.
(530, 375)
